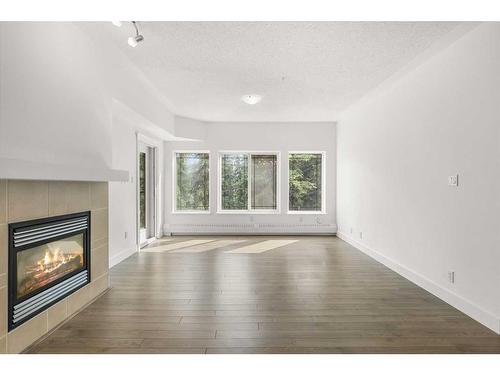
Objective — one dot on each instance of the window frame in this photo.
(323, 184)
(139, 177)
(175, 211)
(249, 209)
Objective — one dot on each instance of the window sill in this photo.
(191, 212)
(306, 213)
(247, 212)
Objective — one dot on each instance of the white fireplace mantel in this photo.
(16, 169)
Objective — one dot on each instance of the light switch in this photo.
(453, 180)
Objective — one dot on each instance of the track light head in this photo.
(133, 41)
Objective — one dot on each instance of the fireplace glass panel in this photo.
(41, 265)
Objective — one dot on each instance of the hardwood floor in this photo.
(296, 295)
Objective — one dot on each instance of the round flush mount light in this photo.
(117, 23)
(251, 99)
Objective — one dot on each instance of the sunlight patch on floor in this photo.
(174, 246)
(159, 242)
(261, 247)
(208, 246)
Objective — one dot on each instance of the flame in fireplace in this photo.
(46, 258)
(45, 264)
(52, 263)
(52, 260)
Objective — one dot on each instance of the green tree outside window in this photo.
(192, 181)
(305, 182)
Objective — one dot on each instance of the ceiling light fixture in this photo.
(251, 99)
(133, 41)
(117, 23)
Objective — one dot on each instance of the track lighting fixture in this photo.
(133, 41)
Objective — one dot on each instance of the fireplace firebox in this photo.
(48, 260)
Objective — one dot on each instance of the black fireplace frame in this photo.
(12, 278)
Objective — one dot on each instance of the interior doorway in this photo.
(146, 193)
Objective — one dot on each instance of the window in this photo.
(248, 182)
(264, 182)
(305, 182)
(234, 177)
(192, 181)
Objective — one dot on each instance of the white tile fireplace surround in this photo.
(23, 200)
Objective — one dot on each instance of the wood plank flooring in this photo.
(314, 295)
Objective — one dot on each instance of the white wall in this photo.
(58, 92)
(57, 87)
(122, 195)
(190, 128)
(281, 137)
(395, 152)
(54, 102)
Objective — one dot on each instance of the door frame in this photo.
(156, 146)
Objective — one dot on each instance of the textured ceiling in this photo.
(305, 71)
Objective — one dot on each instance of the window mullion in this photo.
(249, 181)
(219, 182)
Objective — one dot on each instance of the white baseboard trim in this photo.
(121, 256)
(460, 303)
(246, 229)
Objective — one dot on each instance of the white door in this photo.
(146, 194)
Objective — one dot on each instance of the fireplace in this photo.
(48, 260)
